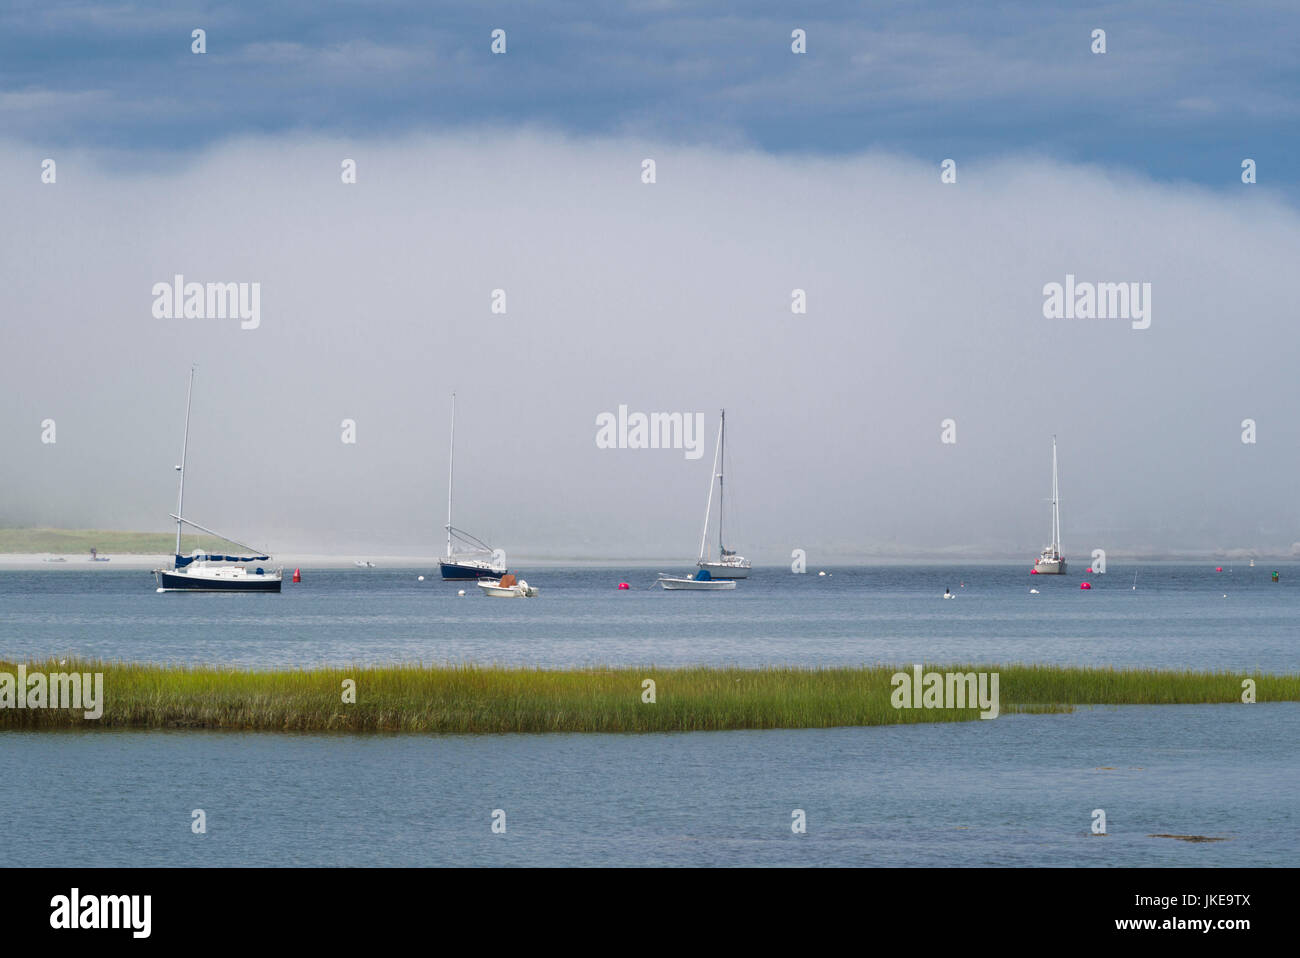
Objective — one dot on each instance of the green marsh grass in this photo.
(492, 699)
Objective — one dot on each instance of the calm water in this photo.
(1017, 790)
(1177, 617)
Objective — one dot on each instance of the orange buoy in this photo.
(297, 576)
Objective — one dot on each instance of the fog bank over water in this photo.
(924, 303)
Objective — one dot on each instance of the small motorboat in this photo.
(703, 581)
(507, 587)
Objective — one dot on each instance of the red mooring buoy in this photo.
(624, 585)
(1085, 585)
(297, 576)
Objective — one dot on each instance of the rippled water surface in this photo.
(1017, 790)
(1178, 616)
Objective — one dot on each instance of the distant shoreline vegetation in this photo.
(51, 541)
(107, 541)
(493, 700)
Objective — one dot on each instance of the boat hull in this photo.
(697, 585)
(468, 570)
(1050, 567)
(507, 592)
(185, 582)
(721, 571)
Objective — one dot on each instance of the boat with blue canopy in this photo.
(205, 571)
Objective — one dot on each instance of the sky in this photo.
(774, 172)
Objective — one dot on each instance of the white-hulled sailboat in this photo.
(204, 571)
(1051, 562)
(728, 565)
(467, 557)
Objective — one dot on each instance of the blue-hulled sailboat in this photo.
(205, 571)
(467, 557)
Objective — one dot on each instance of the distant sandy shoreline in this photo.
(40, 560)
(140, 561)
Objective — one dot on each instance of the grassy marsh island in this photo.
(493, 699)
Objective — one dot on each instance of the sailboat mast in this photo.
(722, 468)
(451, 465)
(185, 443)
(1056, 502)
(704, 537)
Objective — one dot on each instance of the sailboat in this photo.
(1051, 562)
(204, 571)
(728, 565)
(467, 557)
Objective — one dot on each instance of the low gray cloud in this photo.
(924, 302)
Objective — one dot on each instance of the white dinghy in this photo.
(703, 582)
